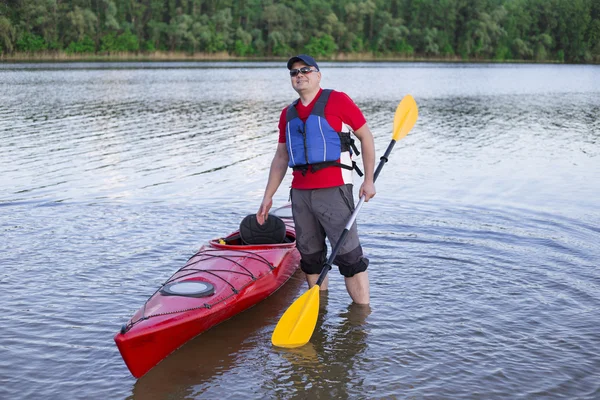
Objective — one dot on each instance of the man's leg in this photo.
(333, 208)
(312, 281)
(358, 287)
(310, 237)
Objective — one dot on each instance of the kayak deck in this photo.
(241, 276)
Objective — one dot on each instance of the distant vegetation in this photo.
(531, 30)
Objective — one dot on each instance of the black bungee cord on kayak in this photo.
(272, 231)
(204, 254)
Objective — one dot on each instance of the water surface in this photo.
(483, 237)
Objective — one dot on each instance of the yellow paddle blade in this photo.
(405, 117)
(297, 324)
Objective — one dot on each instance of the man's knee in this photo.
(352, 263)
(313, 263)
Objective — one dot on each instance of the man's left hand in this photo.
(367, 189)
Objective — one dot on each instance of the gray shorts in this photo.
(321, 213)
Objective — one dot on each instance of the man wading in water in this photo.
(314, 139)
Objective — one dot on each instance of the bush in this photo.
(126, 41)
(320, 46)
(241, 49)
(149, 46)
(404, 48)
(503, 53)
(85, 45)
(31, 42)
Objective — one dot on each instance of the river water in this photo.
(484, 237)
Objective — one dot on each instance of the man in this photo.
(314, 140)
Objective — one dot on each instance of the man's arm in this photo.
(367, 147)
(279, 167)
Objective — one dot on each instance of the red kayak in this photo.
(222, 279)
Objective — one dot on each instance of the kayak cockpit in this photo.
(273, 232)
(234, 241)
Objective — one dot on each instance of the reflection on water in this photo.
(302, 372)
(331, 355)
(483, 237)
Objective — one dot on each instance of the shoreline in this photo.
(61, 56)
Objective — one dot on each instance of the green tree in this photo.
(223, 22)
(181, 33)
(322, 46)
(593, 41)
(571, 28)
(279, 22)
(84, 45)
(483, 33)
(82, 23)
(40, 19)
(593, 33)
(537, 30)
(392, 38)
(29, 42)
(123, 42)
(110, 16)
(542, 44)
(7, 35)
(522, 49)
(243, 43)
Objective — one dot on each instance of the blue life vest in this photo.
(315, 142)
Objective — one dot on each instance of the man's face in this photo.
(305, 82)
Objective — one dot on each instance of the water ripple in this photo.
(482, 239)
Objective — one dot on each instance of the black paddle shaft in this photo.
(342, 239)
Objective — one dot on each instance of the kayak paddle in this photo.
(297, 324)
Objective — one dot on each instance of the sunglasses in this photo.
(303, 71)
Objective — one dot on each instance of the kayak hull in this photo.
(242, 276)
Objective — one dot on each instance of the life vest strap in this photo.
(316, 167)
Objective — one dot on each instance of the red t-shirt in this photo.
(340, 110)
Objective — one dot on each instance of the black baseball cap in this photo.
(308, 60)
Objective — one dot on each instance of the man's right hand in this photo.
(263, 210)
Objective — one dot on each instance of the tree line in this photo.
(534, 30)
